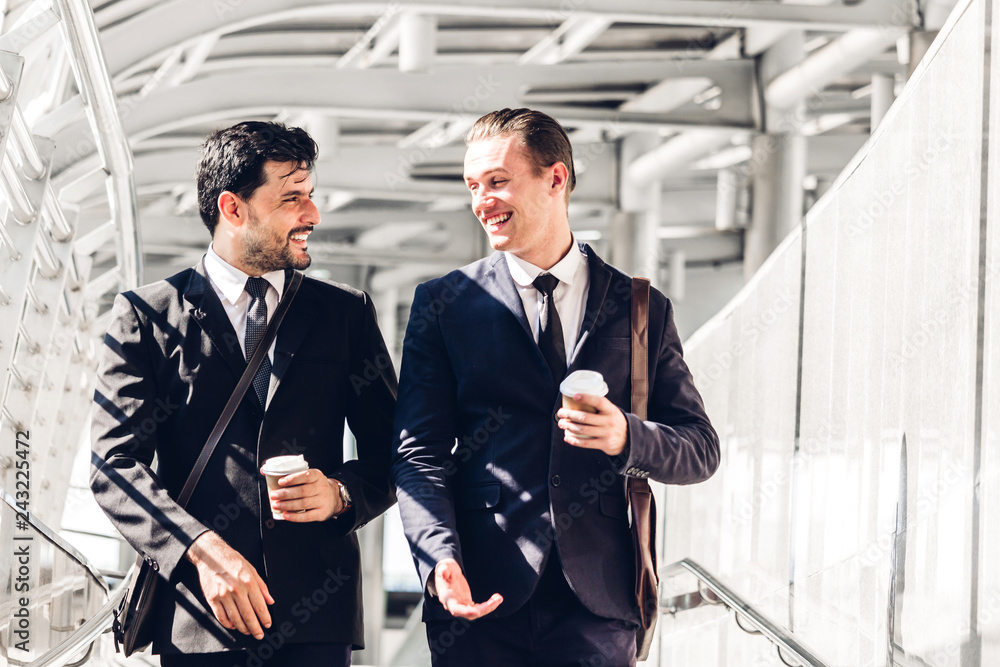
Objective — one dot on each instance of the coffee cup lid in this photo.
(584, 382)
(284, 465)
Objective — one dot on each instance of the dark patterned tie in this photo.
(256, 324)
(550, 335)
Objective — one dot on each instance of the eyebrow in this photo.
(489, 171)
(297, 191)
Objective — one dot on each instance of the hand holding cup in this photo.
(589, 419)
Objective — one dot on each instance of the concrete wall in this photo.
(856, 429)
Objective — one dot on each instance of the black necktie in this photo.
(256, 324)
(550, 335)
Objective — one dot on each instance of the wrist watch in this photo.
(345, 497)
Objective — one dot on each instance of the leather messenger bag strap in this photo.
(241, 389)
(640, 496)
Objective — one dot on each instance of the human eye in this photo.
(499, 181)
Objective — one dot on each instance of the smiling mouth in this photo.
(495, 222)
(299, 238)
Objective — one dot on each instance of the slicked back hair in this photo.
(233, 160)
(540, 133)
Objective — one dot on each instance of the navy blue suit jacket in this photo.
(482, 472)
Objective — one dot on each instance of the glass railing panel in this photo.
(987, 616)
(48, 588)
(745, 365)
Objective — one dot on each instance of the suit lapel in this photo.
(292, 332)
(500, 286)
(600, 280)
(208, 312)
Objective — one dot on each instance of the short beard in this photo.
(261, 250)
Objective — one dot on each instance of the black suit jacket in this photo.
(482, 472)
(170, 362)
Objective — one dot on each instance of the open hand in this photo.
(453, 591)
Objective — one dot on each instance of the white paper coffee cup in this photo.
(582, 382)
(277, 467)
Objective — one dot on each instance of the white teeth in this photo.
(497, 219)
(300, 237)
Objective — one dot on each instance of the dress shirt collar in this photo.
(231, 281)
(524, 273)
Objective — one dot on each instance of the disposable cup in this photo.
(582, 382)
(279, 466)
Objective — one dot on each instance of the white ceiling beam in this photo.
(574, 35)
(674, 92)
(166, 24)
(378, 42)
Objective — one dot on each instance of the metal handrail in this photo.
(87, 633)
(97, 624)
(54, 538)
(779, 636)
(95, 83)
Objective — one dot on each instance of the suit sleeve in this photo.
(370, 412)
(124, 438)
(425, 436)
(677, 443)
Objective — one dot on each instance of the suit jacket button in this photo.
(269, 523)
(555, 480)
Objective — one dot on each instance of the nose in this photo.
(482, 199)
(311, 215)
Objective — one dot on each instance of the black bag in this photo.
(133, 626)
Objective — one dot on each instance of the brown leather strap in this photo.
(640, 346)
(640, 363)
(241, 389)
(640, 496)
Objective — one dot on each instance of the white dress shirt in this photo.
(570, 295)
(229, 284)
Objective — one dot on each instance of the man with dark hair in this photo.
(239, 585)
(515, 508)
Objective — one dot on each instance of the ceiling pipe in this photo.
(676, 154)
(823, 66)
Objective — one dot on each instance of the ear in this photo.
(559, 179)
(232, 209)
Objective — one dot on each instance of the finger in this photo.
(583, 443)
(584, 429)
(306, 490)
(249, 616)
(266, 594)
(292, 505)
(473, 611)
(302, 517)
(234, 615)
(259, 606)
(221, 615)
(579, 416)
(297, 478)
